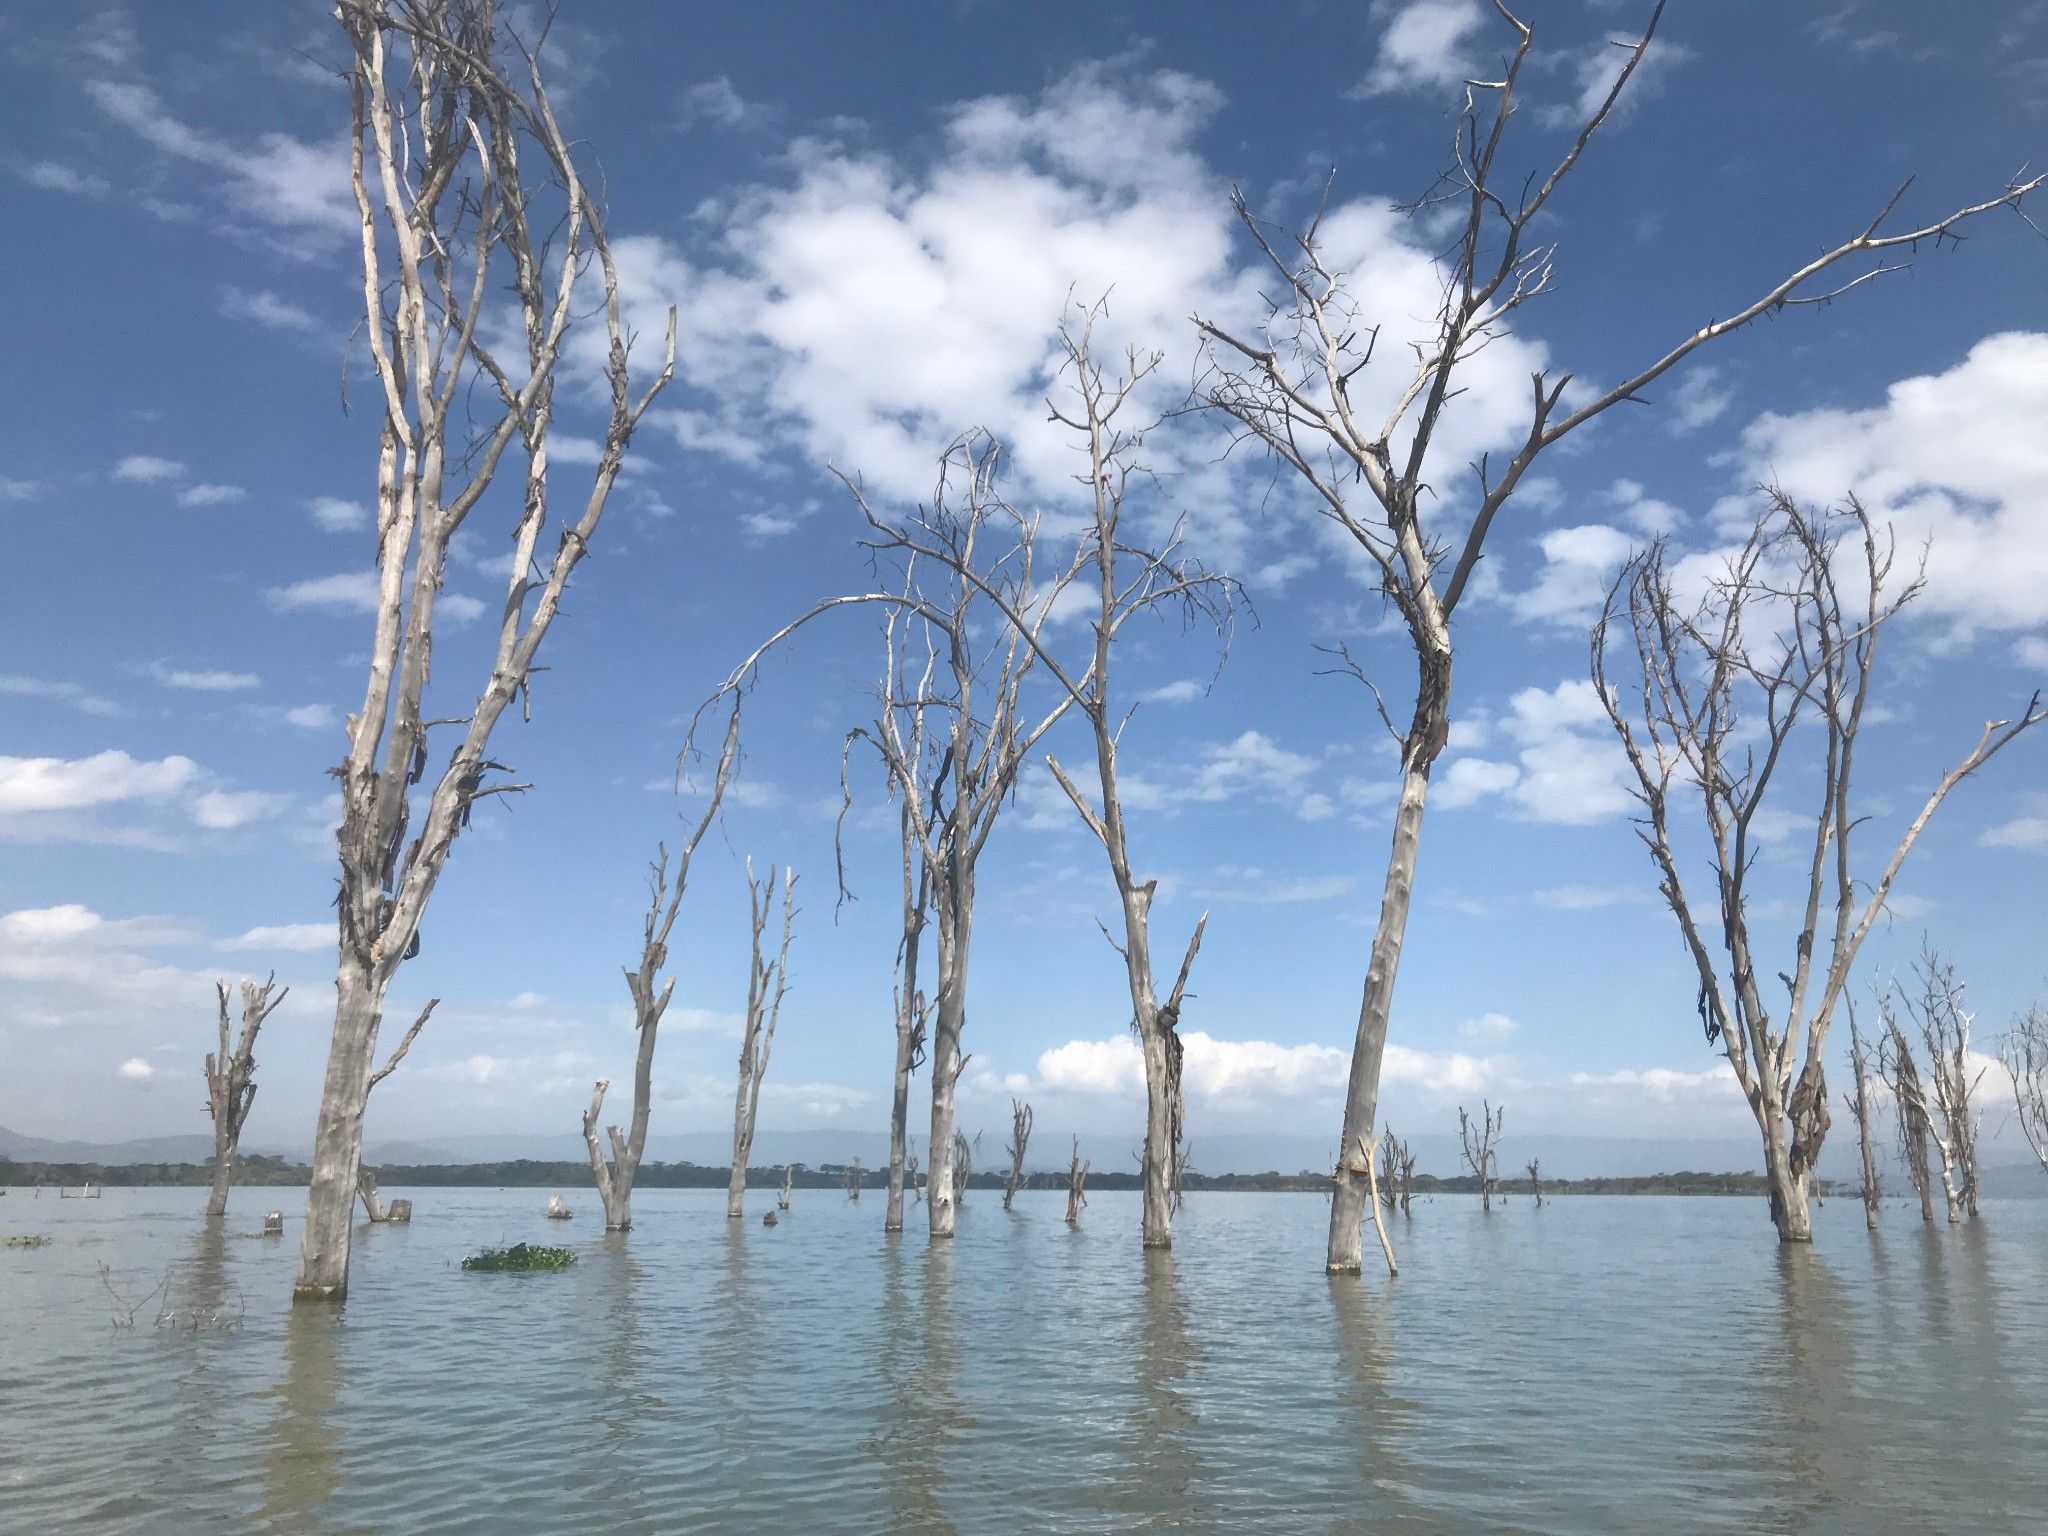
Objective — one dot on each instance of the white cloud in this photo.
(1578, 565)
(310, 717)
(715, 101)
(1241, 1074)
(1660, 1085)
(210, 495)
(299, 188)
(1182, 691)
(143, 469)
(1424, 47)
(1643, 512)
(265, 308)
(78, 698)
(1570, 769)
(1489, 1027)
(55, 176)
(1235, 884)
(67, 966)
(19, 490)
(1699, 401)
(1598, 66)
(333, 515)
(458, 608)
(60, 784)
(1254, 764)
(2029, 651)
(286, 936)
(1589, 898)
(349, 592)
(2028, 832)
(223, 810)
(204, 682)
(1955, 460)
(136, 1070)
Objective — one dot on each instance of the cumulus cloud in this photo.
(266, 309)
(1578, 565)
(715, 101)
(1489, 1027)
(144, 469)
(1570, 770)
(60, 784)
(52, 799)
(285, 936)
(310, 717)
(136, 1070)
(223, 810)
(1240, 1074)
(1596, 67)
(1424, 47)
(1660, 1085)
(349, 592)
(205, 681)
(1955, 460)
(334, 515)
(1181, 691)
(67, 966)
(210, 495)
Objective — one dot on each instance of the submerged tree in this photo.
(1303, 389)
(1390, 1169)
(2024, 1050)
(1077, 1185)
(1479, 1142)
(1130, 580)
(1858, 1104)
(1910, 1115)
(1020, 1139)
(1536, 1181)
(1721, 681)
(767, 980)
(614, 1178)
(231, 1082)
(1950, 1119)
(963, 1164)
(468, 192)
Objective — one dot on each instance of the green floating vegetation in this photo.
(29, 1240)
(520, 1259)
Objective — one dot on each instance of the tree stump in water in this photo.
(399, 1214)
(557, 1209)
(767, 1218)
(273, 1224)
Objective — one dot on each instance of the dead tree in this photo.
(398, 1213)
(963, 1164)
(788, 1183)
(1911, 1119)
(1479, 1143)
(1858, 1104)
(966, 552)
(910, 1176)
(614, 1178)
(2024, 1050)
(468, 192)
(231, 1082)
(1536, 1181)
(1305, 389)
(1721, 684)
(1130, 580)
(1407, 1177)
(1948, 1116)
(850, 1180)
(1390, 1170)
(1077, 1186)
(766, 982)
(1020, 1138)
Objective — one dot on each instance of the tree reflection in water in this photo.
(302, 1464)
(1378, 1420)
(918, 1364)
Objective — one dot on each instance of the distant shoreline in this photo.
(522, 1173)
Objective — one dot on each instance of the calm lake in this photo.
(1603, 1364)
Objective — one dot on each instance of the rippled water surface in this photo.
(1620, 1365)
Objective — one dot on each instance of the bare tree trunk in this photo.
(1479, 1143)
(1859, 1108)
(1949, 1118)
(231, 1083)
(1536, 1181)
(766, 983)
(2024, 1050)
(788, 1182)
(1290, 388)
(437, 132)
(1020, 1139)
(1077, 1186)
(1373, 1200)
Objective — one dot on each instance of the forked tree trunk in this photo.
(1077, 1186)
(766, 982)
(949, 1017)
(1020, 1139)
(231, 1084)
(1859, 1108)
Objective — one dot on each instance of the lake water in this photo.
(1625, 1365)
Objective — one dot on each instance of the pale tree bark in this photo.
(1020, 1140)
(231, 1082)
(449, 122)
(1910, 1114)
(1536, 1181)
(1390, 1170)
(1131, 580)
(1858, 1104)
(767, 981)
(1948, 1117)
(963, 1164)
(1296, 390)
(651, 994)
(1479, 1142)
(982, 553)
(788, 1183)
(2024, 1050)
(1721, 684)
(1077, 1186)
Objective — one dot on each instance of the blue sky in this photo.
(871, 219)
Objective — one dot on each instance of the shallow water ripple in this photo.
(1601, 1365)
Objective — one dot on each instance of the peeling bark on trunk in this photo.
(231, 1083)
(1077, 1186)
(1020, 1140)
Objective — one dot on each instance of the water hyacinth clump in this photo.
(520, 1258)
(32, 1240)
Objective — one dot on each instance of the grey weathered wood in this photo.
(2024, 1050)
(558, 1209)
(1077, 1186)
(1947, 1115)
(767, 980)
(1720, 683)
(450, 225)
(1020, 1139)
(1289, 389)
(231, 1082)
(1859, 1107)
(1479, 1144)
